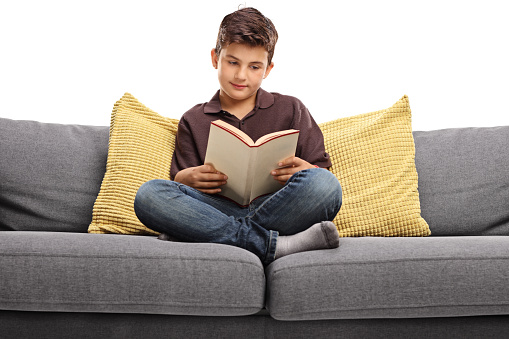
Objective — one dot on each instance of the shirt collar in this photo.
(264, 99)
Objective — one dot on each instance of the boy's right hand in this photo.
(204, 178)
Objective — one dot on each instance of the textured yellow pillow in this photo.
(140, 149)
(373, 158)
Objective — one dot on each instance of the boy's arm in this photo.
(310, 151)
(186, 152)
(310, 146)
(187, 165)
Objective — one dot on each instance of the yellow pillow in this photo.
(140, 149)
(373, 158)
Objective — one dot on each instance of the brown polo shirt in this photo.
(272, 112)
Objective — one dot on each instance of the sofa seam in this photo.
(395, 308)
(112, 302)
(282, 269)
(39, 255)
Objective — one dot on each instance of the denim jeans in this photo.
(308, 197)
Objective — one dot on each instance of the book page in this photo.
(231, 156)
(268, 156)
(270, 136)
(235, 131)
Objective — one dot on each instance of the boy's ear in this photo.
(214, 57)
(267, 71)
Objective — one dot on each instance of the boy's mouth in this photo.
(238, 86)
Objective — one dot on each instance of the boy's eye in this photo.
(255, 67)
(233, 62)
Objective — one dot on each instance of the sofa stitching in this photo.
(113, 302)
(300, 314)
(388, 261)
(397, 307)
(38, 255)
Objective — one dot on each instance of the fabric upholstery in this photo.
(398, 277)
(50, 175)
(79, 272)
(140, 149)
(154, 326)
(373, 156)
(464, 180)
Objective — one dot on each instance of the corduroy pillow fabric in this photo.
(140, 149)
(373, 157)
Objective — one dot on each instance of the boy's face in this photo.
(241, 70)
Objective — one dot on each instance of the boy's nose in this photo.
(241, 74)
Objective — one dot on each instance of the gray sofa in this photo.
(58, 281)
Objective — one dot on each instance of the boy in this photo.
(294, 219)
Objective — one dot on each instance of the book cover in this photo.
(248, 163)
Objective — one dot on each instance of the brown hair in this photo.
(247, 26)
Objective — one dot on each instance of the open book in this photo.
(246, 163)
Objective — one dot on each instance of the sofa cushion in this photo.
(464, 180)
(401, 277)
(140, 149)
(372, 156)
(79, 272)
(50, 175)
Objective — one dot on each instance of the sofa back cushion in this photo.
(50, 175)
(464, 180)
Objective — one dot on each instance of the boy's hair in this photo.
(247, 26)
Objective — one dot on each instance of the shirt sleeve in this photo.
(186, 151)
(310, 146)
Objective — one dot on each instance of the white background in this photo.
(69, 61)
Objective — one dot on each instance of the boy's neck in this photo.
(238, 108)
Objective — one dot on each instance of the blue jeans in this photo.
(308, 197)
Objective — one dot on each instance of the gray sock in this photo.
(322, 235)
(166, 237)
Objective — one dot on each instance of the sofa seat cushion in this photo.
(393, 278)
(75, 272)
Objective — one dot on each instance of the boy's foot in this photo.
(322, 235)
(166, 237)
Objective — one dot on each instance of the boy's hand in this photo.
(290, 166)
(204, 178)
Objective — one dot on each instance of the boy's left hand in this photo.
(289, 167)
